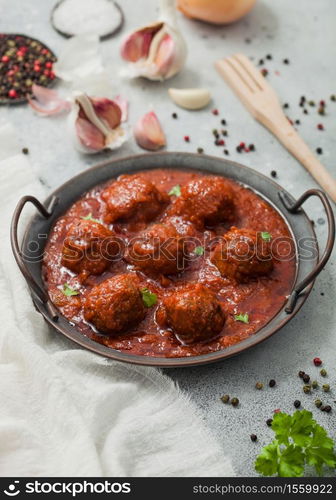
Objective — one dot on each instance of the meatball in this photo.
(242, 254)
(115, 305)
(88, 246)
(133, 197)
(194, 314)
(158, 250)
(205, 201)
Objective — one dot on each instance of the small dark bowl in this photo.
(29, 259)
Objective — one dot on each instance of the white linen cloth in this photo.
(67, 412)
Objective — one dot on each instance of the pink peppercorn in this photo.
(317, 361)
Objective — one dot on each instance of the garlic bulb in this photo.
(95, 124)
(190, 98)
(148, 132)
(157, 51)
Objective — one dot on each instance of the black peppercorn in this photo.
(286, 61)
(238, 149)
(297, 403)
(252, 147)
(225, 399)
(326, 408)
(226, 152)
(223, 122)
(269, 57)
(319, 151)
(305, 111)
(253, 437)
(174, 115)
(235, 401)
(273, 173)
(297, 122)
(286, 105)
(306, 378)
(301, 374)
(25, 151)
(269, 422)
(272, 383)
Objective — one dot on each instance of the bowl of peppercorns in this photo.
(23, 62)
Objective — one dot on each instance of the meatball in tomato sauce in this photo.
(115, 305)
(157, 250)
(133, 197)
(88, 247)
(205, 201)
(242, 254)
(194, 313)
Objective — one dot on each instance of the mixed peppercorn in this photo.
(23, 62)
(308, 387)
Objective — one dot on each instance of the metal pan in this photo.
(28, 256)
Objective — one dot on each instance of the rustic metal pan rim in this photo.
(274, 325)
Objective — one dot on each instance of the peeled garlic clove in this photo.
(190, 98)
(148, 132)
(46, 101)
(94, 124)
(157, 51)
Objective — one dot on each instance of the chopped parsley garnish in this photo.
(68, 291)
(266, 236)
(89, 217)
(175, 191)
(199, 251)
(149, 298)
(299, 442)
(244, 318)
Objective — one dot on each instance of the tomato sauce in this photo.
(261, 298)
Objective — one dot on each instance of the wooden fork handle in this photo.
(287, 135)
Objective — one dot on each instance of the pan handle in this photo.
(294, 208)
(19, 257)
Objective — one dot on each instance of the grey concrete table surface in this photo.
(302, 31)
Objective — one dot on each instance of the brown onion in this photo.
(215, 11)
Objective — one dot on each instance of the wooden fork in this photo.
(262, 102)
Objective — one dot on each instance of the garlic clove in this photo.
(136, 45)
(190, 98)
(46, 101)
(157, 51)
(123, 105)
(148, 132)
(165, 55)
(89, 135)
(108, 111)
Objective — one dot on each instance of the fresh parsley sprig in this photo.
(149, 298)
(299, 441)
(68, 291)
